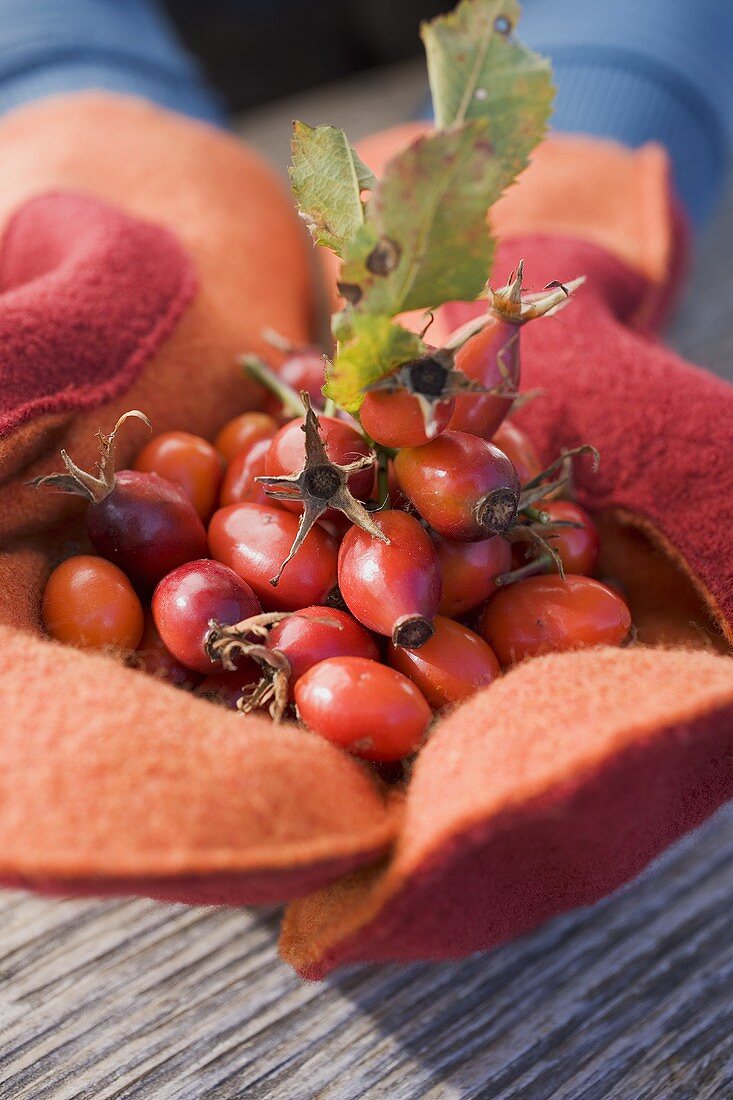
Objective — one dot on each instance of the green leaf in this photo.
(328, 177)
(376, 346)
(477, 69)
(426, 239)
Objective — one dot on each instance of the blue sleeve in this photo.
(645, 70)
(127, 46)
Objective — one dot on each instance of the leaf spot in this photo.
(384, 257)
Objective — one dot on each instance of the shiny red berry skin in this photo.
(452, 665)
(185, 602)
(254, 540)
(239, 483)
(462, 485)
(227, 688)
(157, 660)
(243, 431)
(188, 461)
(469, 570)
(519, 449)
(392, 588)
(369, 709)
(147, 527)
(315, 633)
(396, 419)
(491, 357)
(88, 602)
(302, 370)
(344, 444)
(546, 614)
(578, 547)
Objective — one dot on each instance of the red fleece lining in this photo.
(87, 296)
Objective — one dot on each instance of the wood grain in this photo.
(630, 1000)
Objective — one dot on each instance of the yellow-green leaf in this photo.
(425, 239)
(478, 69)
(328, 177)
(376, 346)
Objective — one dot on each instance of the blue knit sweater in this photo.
(633, 70)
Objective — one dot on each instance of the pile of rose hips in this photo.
(368, 574)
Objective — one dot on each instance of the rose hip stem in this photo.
(321, 485)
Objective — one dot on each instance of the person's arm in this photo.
(639, 72)
(129, 47)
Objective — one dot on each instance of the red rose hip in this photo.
(90, 603)
(469, 572)
(139, 521)
(547, 614)
(243, 431)
(464, 486)
(254, 540)
(189, 462)
(188, 599)
(452, 665)
(239, 483)
(343, 443)
(367, 708)
(316, 633)
(392, 588)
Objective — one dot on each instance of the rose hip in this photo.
(90, 603)
(369, 709)
(254, 539)
(187, 601)
(469, 571)
(397, 419)
(392, 588)
(189, 462)
(343, 443)
(141, 522)
(243, 431)
(239, 483)
(519, 449)
(464, 486)
(547, 614)
(578, 547)
(315, 633)
(302, 370)
(146, 526)
(452, 665)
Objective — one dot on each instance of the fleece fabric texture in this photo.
(231, 216)
(546, 791)
(114, 782)
(71, 265)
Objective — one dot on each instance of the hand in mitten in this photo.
(115, 783)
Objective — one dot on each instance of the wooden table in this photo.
(631, 999)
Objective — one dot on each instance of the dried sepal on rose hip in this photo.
(415, 403)
(139, 521)
(488, 350)
(538, 528)
(226, 645)
(285, 646)
(320, 485)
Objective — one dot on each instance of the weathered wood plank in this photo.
(628, 1001)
